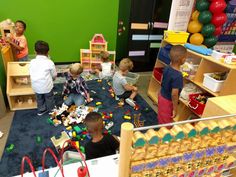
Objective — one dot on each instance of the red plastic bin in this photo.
(195, 105)
(158, 73)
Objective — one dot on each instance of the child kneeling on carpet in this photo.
(171, 86)
(120, 86)
(75, 89)
(101, 144)
(42, 73)
(105, 70)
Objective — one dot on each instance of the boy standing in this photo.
(42, 73)
(19, 42)
(100, 145)
(171, 86)
(121, 88)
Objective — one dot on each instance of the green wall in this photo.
(66, 25)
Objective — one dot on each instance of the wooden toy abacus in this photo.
(197, 147)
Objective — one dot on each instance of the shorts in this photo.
(165, 110)
(125, 95)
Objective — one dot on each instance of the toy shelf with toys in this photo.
(203, 76)
(90, 58)
(19, 91)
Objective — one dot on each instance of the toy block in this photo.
(58, 143)
(77, 129)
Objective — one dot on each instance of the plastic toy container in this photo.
(195, 105)
(176, 36)
(132, 78)
(158, 73)
(211, 83)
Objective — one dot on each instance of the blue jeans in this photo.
(25, 58)
(45, 101)
(76, 99)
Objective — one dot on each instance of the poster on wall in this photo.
(180, 14)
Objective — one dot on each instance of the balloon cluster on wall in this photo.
(207, 21)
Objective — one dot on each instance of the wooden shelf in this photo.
(21, 91)
(207, 64)
(211, 59)
(153, 96)
(199, 84)
(156, 80)
(23, 106)
(186, 104)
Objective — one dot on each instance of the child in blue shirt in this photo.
(171, 86)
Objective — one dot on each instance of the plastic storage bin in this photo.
(176, 36)
(158, 73)
(195, 105)
(164, 54)
(211, 83)
(132, 78)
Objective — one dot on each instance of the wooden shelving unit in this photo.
(207, 64)
(90, 58)
(19, 92)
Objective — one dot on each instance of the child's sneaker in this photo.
(130, 102)
(40, 113)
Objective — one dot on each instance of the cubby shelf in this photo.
(19, 91)
(207, 64)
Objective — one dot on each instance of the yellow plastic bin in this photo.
(176, 36)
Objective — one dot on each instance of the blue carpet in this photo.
(26, 126)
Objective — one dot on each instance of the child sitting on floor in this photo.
(105, 70)
(75, 89)
(100, 145)
(122, 89)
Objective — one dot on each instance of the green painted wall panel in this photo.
(66, 25)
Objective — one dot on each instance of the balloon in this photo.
(196, 39)
(208, 29)
(205, 17)
(194, 27)
(195, 15)
(218, 19)
(202, 5)
(218, 31)
(217, 6)
(210, 41)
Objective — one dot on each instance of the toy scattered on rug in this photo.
(127, 115)
(137, 121)
(69, 115)
(58, 143)
(10, 148)
(38, 139)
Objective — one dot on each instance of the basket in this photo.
(158, 73)
(211, 83)
(195, 105)
(176, 36)
(132, 78)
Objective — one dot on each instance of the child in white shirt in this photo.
(42, 72)
(105, 70)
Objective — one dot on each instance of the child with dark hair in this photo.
(171, 86)
(18, 41)
(100, 145)
(42, 73)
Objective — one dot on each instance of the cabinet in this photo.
(147, 22)
(90, 58)
(19, 91)
(207, 64)
(7, 55)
